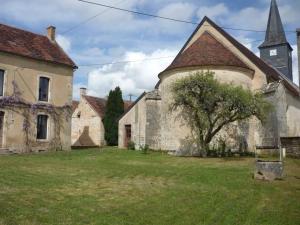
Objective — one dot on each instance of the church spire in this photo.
(275, 34)
(276, 50)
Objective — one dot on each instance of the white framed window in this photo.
(273, 52)
(44, 89)
(2, 74)
(42, 127)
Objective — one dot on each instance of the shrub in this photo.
(144, 148)
(131, 145)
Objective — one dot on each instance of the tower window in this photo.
(273, 52)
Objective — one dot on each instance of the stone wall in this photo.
(87, 126)
(25, 73)
(153, 120)
(136, 117)
(292, 145)
(175, 132)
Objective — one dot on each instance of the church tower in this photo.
(276, 50)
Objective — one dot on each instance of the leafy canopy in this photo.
(114, 109)
(209, 105)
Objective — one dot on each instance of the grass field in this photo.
(117, 187)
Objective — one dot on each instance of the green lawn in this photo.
(117, 187)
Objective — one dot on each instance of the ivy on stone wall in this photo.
(29, 111)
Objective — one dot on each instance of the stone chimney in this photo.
(298, 43)
(82, 92)
(51, 33)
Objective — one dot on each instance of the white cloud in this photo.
(179, 10)
(132, 77)
(64, 42)
(213, 12)
(250, 18)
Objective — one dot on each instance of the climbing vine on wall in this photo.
(29, 111)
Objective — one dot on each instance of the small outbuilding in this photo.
(87, 126)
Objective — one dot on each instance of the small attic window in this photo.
(78, 114)
(273, 52)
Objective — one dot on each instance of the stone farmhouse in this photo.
(210, 47)
(36, 78)
(87, 127)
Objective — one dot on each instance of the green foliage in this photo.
(144, 148)
(114, 109)
(210, 105)
(131, 145)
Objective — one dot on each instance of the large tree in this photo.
(208, 105)
(114, 109)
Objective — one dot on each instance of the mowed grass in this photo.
(116, 187)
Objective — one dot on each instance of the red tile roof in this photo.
(35, 46)
(270, 71)
(206, 51)
(99, 104)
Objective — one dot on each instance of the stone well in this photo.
(268, 170)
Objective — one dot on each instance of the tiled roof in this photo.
(270, 71)
(35, 46)
(99, 104)
(206, 51)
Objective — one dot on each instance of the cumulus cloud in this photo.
(180, 11)
(132, 77)
(250, 18)
(213, 12)
(64, 42)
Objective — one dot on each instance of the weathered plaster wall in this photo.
(153, 123)
(175, 133)
(25, 72)
(136, 117)
(293, 115)
(87, 126)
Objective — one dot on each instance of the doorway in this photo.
(1, 128)
(127, 134)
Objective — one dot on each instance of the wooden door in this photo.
(1, 128)
(127, 134)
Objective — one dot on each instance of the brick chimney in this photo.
(51, 33)
(82, 92)
(298, 43)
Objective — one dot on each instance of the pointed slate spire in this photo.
(275, 34)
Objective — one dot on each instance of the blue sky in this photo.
(118, 36)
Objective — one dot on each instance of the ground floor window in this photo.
(42, 127)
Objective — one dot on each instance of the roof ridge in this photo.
(94, 97)
(20, 29)
(35, 46)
